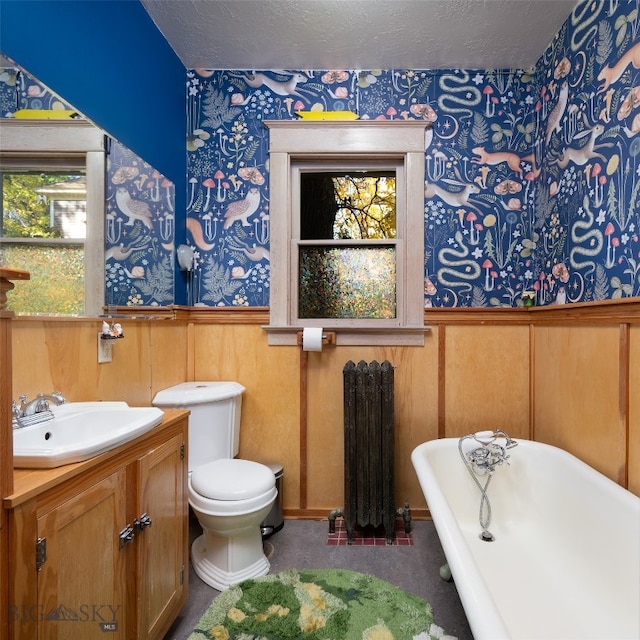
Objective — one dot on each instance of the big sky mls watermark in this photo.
(104, 615)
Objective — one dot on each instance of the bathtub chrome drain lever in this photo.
(482, 461)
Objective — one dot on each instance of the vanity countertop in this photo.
(28, 483)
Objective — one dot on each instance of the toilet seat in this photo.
(231, 486)
(232, 479)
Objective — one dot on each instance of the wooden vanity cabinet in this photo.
(114, 561)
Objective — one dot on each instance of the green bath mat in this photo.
(324, 604)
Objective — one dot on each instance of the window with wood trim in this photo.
(347, 230)
(52, 177)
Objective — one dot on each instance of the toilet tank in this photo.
(214, 423)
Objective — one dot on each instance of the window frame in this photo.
(57, 145)
(330, 145)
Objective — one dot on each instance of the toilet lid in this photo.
(190, 393)
(232, 479)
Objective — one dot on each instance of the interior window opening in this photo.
(346, 267)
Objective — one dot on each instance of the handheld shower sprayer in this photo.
(482, 460)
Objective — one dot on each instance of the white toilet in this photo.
(230, 497)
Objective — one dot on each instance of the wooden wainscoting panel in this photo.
(577, 381)
(31, 367)
(169, 355)
(487, 379)
(416, 411)
(270, 405)
(325, 424)
(63, 356)
(634, 409)
(128, 376)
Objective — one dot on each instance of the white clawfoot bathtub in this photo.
(565, 562)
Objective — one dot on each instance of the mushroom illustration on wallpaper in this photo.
(489, 275)
(474, 231)
(208, 184)
(154, 186)
(166, 226)
(612, 243)
(490, 105)
(222, 186)
(192, 191)
(167, 185)
(113, 228)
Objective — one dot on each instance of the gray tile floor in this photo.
(301, 544)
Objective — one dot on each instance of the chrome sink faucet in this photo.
(36, 410)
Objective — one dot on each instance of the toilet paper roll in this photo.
(312, 339)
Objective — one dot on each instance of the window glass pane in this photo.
(43, 204)
(56, 284)
(348, 206)
(347, 282)
(42, 230)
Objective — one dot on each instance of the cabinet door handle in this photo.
(126, 535)
(144, 522)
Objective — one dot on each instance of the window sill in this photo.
(353, 336)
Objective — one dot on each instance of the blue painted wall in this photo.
(111, 63)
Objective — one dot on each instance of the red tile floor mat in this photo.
(369, 536)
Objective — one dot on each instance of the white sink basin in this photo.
(79, 431)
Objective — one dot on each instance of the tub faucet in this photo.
(489, 455)
(36, 410)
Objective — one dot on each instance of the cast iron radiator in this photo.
(369, 450)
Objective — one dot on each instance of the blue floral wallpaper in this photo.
(139, 232)
(532, 178)
(587, 203)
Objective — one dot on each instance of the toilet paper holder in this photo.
(328, 337)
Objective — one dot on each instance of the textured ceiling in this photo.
(359, 34)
